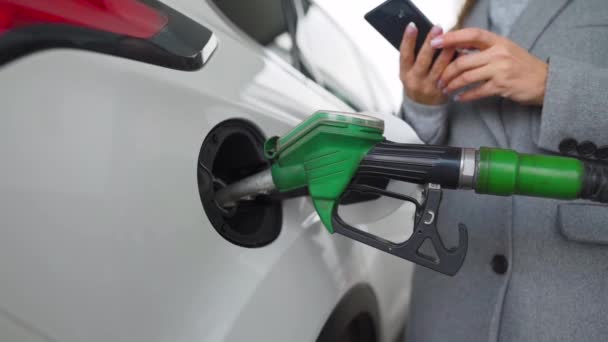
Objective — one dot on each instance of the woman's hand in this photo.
(419, 74)
(501, 68)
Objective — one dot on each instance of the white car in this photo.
(109, 109)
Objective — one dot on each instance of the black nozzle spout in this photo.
(414, 163)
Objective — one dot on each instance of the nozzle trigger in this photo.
(448, 261)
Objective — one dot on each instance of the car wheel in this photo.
(354, 318)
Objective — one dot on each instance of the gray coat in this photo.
(554, 285)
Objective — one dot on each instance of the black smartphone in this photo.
(392, 17)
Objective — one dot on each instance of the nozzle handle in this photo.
(412, 163)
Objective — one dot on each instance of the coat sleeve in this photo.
(429, 122)
(575, 105)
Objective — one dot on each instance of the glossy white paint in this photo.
(103, 236)
(337, 61)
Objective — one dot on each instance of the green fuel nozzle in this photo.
(323, 153)
(329, 151)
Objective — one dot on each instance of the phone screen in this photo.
(392, 17)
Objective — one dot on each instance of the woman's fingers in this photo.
(500, 68)
(426, 53)
(408, 43)
(470, 77)
(485, 90)
(466, 38)
(440, 64)
(463, 64)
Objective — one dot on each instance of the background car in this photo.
(331, 43)
(113, 117)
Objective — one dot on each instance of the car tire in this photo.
(354, 319)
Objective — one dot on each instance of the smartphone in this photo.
(392, 17)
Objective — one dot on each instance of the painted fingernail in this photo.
(440, 84)
(445, 91)
(457, 98)
(411, 29)
(437, 43)
(435, 31)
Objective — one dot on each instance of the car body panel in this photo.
(104, 237)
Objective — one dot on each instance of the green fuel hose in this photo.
(506, 172)
(491, 171)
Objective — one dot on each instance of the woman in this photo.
(536, 269)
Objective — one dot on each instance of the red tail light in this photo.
(144, 30)
(127, 17)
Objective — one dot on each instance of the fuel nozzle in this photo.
(328, 150)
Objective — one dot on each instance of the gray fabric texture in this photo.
(583, 223)
(428, 121)
(568, 109)
(503, 14)
(556, 285)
